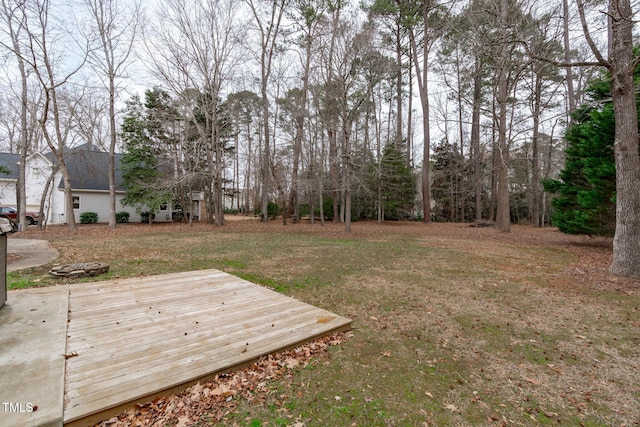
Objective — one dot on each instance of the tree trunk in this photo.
(218, 178)
(626, 242)
(493, 203)
(475, 138)
(24, 142)
(571, 97)
(10, 15)
(423, 87)
(410, 117)
(398, 138)
(348, 172)
(265, 164)
(112, 152)
(502, 215)
(461, 193)
(333, 175)
(535, 164)
(294, 204)
(43, 199)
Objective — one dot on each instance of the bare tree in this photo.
(571, 96)
(309, 13)
(195, 49)
(89, 120)
(45, 41)
(114, 29)
(14, 21)
(425, 12)
(267, 17)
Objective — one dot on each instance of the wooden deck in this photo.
(130, 340)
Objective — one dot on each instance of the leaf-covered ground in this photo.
(453, 325)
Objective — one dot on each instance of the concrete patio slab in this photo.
(32, 252)
(32, 362)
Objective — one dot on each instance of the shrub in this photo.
(144, 216)
(122, 217)
(327, 209)
(273, 210)
(88, 217)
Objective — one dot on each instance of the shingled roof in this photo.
(89, 169)
(10, 161)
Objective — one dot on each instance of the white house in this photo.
(88, 170)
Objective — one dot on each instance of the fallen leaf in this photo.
(428, 394)
(532, 381)
(183, 421)
(451, 407)
(292, 362)
(196, 390)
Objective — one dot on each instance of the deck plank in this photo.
(132, 338)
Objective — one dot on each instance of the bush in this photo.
(327, 208)
(273, 210)
(122, 217)
(88, 217)
(144, 216)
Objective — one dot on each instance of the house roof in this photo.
(89, 169)
(10, 161)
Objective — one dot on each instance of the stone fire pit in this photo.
(82, 269)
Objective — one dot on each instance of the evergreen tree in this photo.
(398, 186)
(450, 173)
(139, 163)
(587, 186)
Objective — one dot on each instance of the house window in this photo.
(76, 202)
(163, 207)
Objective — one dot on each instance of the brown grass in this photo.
(453, 325)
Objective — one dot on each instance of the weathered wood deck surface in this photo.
(132, 339)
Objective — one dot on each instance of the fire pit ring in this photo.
(77, 270)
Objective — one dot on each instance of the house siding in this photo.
(8, 192)
(98, 202)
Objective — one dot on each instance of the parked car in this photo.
(12, 214)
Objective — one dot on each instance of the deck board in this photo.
(137, 337)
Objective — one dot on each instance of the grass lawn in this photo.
(453, 325)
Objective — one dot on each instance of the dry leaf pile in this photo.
(209, 402)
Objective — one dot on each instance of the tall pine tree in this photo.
(586, 187)
(398, 185)
(141, 175)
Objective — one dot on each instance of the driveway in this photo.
(32, 253)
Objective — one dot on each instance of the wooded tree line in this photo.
(329, 108)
